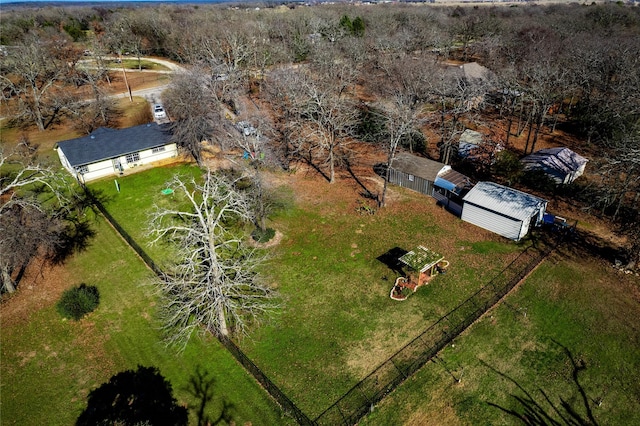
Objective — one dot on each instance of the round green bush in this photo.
(263, 236)
(78, 301)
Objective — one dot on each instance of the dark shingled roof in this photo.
(105, 143)
(417, 166)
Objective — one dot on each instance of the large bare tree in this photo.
(34, 68)
(27, 192)
(325, 115)
(192, 104)
(214, 286)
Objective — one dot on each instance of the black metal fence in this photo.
(125, 235)
(361, 398)
(285, 403)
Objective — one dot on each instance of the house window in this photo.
(411, 178)
(158, 149)
(82, 169)
(133, 157)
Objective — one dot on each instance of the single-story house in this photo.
(111, 151)
(560, 164)
(505, 211)
(413, 172)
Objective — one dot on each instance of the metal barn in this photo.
(413, 172)
(505, 211)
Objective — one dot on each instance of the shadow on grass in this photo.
(392, 259)
(132, 397)
(543, 411)
(201, 386)
(75, 239)
(78, 232)
(366, 193)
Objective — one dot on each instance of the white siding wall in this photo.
(97, 170)
(64, 161)
(491, 221)
(106, 167)
(148, 156)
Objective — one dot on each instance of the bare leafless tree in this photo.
(34, 68)
(215, 285)
(197, 114)
(26, 224)
(325, 116)
(401, 117)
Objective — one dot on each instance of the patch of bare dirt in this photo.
(40, 287)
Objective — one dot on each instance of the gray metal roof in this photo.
(417, 166)
(555, 161)
(105, 143)
(452, 180)
(504, 200)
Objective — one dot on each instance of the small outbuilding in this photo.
(111, 151)
(413, 172)
(449, 188)
(560, 164)
(503, 210)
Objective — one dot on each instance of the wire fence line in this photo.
(129, 240)
(283, 400)
(280, 397)
(361, 398)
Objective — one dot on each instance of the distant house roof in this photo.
(471, 137)
(475, 71)
(105, 143)
(417, 166)
(556, 162)
(504, 200)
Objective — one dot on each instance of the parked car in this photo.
(158, 111)
(246, 128)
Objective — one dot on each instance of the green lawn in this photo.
(138, 194)
(568, 309)
(338, 323)
(49, 365)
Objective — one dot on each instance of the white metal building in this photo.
(505, 211)
(109, 151)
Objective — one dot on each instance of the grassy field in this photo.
(521, 358)
(138, 194)
(49, 365)
(338, 322)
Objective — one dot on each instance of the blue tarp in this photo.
(443, 183)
